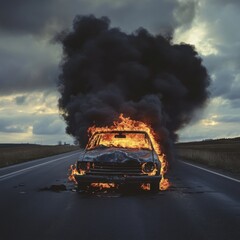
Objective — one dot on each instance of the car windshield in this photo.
(120, 139)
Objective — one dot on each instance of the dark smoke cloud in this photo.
(106, 72)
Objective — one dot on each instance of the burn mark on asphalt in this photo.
(55, 188)
(107, 193)
(93, 192)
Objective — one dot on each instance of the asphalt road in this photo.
(199, 205)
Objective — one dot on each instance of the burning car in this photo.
(125, 153)
(119, 157)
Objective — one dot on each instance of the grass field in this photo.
(221, 153)
(17, 153)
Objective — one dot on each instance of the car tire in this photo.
(154, 187)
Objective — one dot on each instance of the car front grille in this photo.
(109, 168)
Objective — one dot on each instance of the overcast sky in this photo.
(29, 59)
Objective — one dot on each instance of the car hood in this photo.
(119, 155)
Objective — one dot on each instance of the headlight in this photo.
(149, 167)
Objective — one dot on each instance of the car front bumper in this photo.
(116, 179)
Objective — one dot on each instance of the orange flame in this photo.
(127, 124)
(73, 171)
(103, 185)
(164, 184)
(145, 186)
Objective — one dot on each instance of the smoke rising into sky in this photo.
(105, 72)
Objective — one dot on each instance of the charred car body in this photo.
(119, 157)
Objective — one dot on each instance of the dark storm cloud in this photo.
(222, 19)
(42, 125)
(26, 72)
(236, 104)
(32, 16)
(185, 12)
(106, 72)
(229, 119)
(38, 17)
(20, 100)
(227, 2)
(9, 125)
(48, 125)
(158, 16)
(234, 92)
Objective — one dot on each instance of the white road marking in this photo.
(12, 174)
(219, 174)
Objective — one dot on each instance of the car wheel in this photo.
(154, 187)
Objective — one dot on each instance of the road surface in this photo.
(199, 205)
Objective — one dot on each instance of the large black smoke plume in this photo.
(106, 72)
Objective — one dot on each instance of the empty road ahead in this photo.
(199, 205)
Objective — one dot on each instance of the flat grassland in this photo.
(17, 153)
(221, 153)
